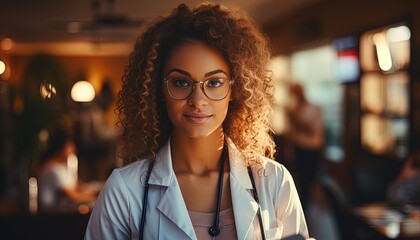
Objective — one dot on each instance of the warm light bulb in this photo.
(82, 91)
(33, 195)
(6, 44)
(2, 67)
(398, 34)
(382, 51)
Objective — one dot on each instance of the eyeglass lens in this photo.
(214, 88)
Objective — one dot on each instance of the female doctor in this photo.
(194, 110)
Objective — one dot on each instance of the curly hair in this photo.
(144, 121)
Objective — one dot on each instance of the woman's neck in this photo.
(197, 156)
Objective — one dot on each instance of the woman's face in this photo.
(196, 116)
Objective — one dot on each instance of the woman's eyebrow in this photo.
(214, 72)
(188, 74)
(180, 71)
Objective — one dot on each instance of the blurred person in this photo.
(406, 187)
(194, 110)
(306, 136)
(96, 135)
(59, 187)
(104, 130)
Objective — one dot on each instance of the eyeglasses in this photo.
(180, 88)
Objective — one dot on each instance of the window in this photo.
(384, 90)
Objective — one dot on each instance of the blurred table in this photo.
(63, 226)
(393, 222)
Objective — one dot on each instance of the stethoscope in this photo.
(214, 230)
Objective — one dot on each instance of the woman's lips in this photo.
(197, 118)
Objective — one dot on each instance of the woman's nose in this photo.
(198, 98)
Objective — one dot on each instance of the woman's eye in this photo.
(215, 82)
(181, 82)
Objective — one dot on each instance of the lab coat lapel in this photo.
(244, 205)
(173, 207)
(172, 203)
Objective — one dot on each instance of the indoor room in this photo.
(344, 115)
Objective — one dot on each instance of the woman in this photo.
(194, 110)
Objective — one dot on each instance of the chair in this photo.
(339, 204)
(371, 180)
(349, 226)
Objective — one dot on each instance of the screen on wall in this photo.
(346, 64)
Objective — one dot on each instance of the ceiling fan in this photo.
(105, 23)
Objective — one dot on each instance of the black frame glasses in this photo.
(191, 87)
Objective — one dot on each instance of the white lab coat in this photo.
(117, 211)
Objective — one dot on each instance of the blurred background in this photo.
(346, 119)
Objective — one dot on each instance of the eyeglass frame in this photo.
(165, 79)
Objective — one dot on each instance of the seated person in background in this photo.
(406, 187)
(58, 184)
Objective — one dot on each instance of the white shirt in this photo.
(53, 179)
(117, 211)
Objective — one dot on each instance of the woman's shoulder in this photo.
(128, 172)
(276, 179)
(123, 181)
(270, 164)
(133, 168)
(274, 169)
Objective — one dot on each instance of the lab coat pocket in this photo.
(274, 233)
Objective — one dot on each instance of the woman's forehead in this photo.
(196, 58)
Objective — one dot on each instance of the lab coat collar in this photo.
(163, 173)
(172, 204)
(238, 169)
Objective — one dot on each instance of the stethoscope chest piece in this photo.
(214, 231)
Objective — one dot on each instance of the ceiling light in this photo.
(82, 91)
